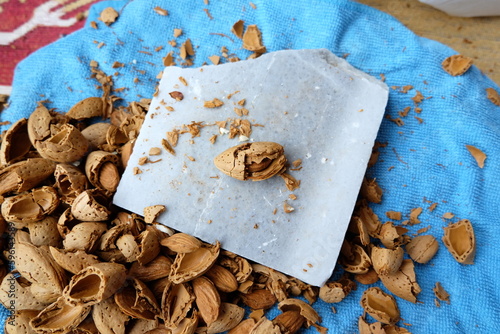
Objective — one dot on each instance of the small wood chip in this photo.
(166, 145)
(493, 96)
(477, 154)
(161, 11)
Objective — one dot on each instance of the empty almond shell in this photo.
(403, 283)
(87, 108)
(70, 181)
(460, 241)
(422, 248)
(24, 175)
(90, 205)
(230, 315)
(30, 207)
(108, 317)
(66, 145)
(188, 266)
(380, 305)
(59, 317)
(176, 301)
(95, 283)
(137, 300)
(15, 143)
(354, 258)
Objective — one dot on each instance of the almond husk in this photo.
(30, 207)
(16, 291)
(222, 278)
(108, 317)
(70, 181)
(96, 134)
(103, 170)
(15, 143)
(380, 305)
(304, 309)
(25, 175)
(84, 236)
(230, 315)
(188, 266)
(386, 261)
(90, 206)
(59, 317)
(207, 299)
(95, 283)
(136, 300)
(73, 261)
(177, 300)
(37, 266)
(460, 241)
(87, 108)
(67, 144)
(181, 243)
(403, 283)
(422, 248)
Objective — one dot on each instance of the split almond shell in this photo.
(403, 283)
(87, 108)
(380, 305)
(188, 266)
(137, 300)
(422, 248)
(460, 241)
(15, 143)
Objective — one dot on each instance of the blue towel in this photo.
(424, 161)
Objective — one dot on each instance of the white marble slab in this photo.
(320, 108)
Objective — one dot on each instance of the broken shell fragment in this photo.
(188, 266)
(305, 310)
(96, 134)
(15, 143)
(95, 283)
(456, 64)
(380, 305)
(102, 170)
(25, 175)
(386, 261)
(354, 258)
(392, 236)
(230, 315)
(87, 108)
(66, 145)
(84, 236)
(90, 205)
(59, 317)
(108, 317)
(403, 283)
(70, 181)
(176, 301)
(422, 248)
(30, 207)
(73, 261)
(252, 161)
(16, 291)
(460, 240)
(136, 300)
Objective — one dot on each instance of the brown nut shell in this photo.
(392, 236)
(403, 283)
(87, 108)
(460, 241)
(230, 315)
(70, 182)
(136, 300)
(59, 317)
(45, 232)
(20, 322)
(181, 243)
(90, 205)
(380, 305)
(305, 310)
(16, 291)
(252, 161)
(66, 145)
(96, 134)
(95, 283)
(108, 317)
(148, 247)
(207, 299)
(103, 170)
(354, 258)
(15, 143)
(39, 124)
(456, 64)
(176, 301)
(188, 266)
(30, 207)
(386, 261)
(84, 236)
(73, 261)
(24, 175)
(422, 248)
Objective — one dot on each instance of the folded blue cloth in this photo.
(424, 161)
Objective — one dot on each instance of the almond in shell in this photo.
(96, 134)
(103, 170)
(304, 309)
(386, 261)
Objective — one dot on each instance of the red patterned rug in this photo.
(27, 25)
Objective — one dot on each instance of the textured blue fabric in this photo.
(427, 160)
